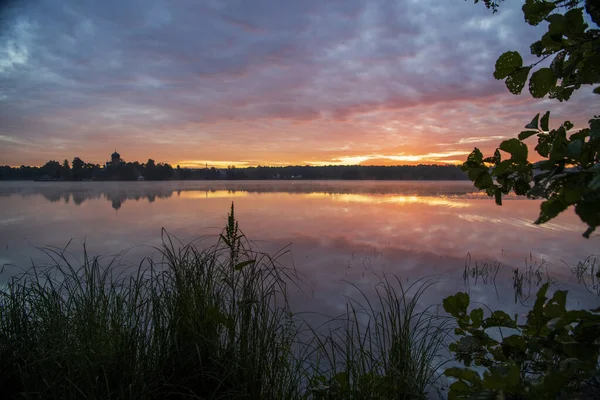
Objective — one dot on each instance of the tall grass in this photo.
(384, 348)
(587, 272)
(208, 323)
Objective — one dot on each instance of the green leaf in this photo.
(574, 149)
(495, 159)
(535, 11)
(555, 307)
(522, 187)
(557, 64)
(483, 181)
(469, 344)
(464, 374)
(597, 90)
(525, 134)
(559, 145)
(574, 24)
(595, 182)
(239, 266)
(551, 42)
(475, 173)
(456, 305)
(593, 9)
(476, 317)
(458, 389)
(516, 80)
(550, 209)
(540, 298)
(561, 93)
(577, 351)
(515, 341)
(572, 193)
(557, 24)
(541, 82)
(498, 196)
(580, 135)
(594, 128)
(590, 72)
(507, 63)
(588, 212)
(476, 157)
(544, 121)
(513, 377)
(534, 122)
(499, 319)
(516, 148)
(537, 48)
(543, 146)
(500, 377)
(503, 168)
(588, 232)
(494, 380)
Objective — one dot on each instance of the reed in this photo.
(203, 322)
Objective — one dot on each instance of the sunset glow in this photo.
(392, 199)
(260, 82)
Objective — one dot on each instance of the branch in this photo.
(543, 58)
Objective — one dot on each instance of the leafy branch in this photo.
(569, 172)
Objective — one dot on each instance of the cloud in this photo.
(479, 139)
(380, 159)
(283, 81)
(9, 139)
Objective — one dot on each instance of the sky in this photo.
(262, 82)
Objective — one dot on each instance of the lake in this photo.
(337, 232)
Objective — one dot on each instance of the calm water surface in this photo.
(337, 231)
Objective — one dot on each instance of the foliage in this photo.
(131, 171)
(193, 327)
(80, 170)
(569, 172)
(203, 324)
(385, 349)
(554, 354)
(575, 49)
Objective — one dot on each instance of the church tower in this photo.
(115, 159)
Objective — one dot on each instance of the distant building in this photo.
(115, 160)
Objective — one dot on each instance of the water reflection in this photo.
(114, 195)
(431, 193)
(339, 231)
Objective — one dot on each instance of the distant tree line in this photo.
(129, 171)
(79, 170)
(349, 172)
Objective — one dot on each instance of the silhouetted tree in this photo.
(51, 169)
(163, 171)
(78, 165)
(66, 170)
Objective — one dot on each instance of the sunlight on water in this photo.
(391, 199)
(216, 194)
